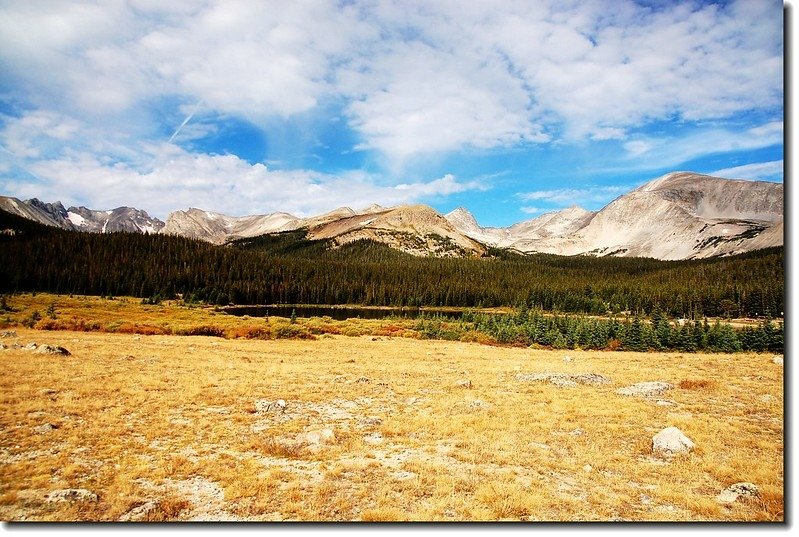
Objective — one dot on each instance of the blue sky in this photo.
(508, 108)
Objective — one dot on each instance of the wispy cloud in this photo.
(772, 170)
(575, 196)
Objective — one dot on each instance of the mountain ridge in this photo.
(680, 215)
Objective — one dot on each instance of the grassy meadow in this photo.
(322, 420)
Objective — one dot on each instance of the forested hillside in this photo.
(286, 268)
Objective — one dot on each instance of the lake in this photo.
(339, 313)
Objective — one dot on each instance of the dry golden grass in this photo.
(170, 423)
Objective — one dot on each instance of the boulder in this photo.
(263, 405)
(52, 349)
(733, 492)
(71, 495)
(646, 389)
(671, 441)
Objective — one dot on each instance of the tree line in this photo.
(526, 328)
(288, 269)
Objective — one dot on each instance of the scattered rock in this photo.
(370, 421)
(479, 404)
(8, 333)
(646, 389)
(671, 441)
(52, 349)
(464, 383)
(72, 495)
(733, 492)
(138, 513)
(44, 428)
(316, 438)
(564, 379)
(262, 405)
(373, 438)
(30, 347)
(777, 359)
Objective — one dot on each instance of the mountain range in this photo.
(680, 215)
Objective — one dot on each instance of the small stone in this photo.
(671, 441)
(777, 359)
(8, 333)
(645, 389)
(44, 428)
(733, 492)
(263, 405)
(587, 468)
(567, 358)
(464, 383)
(52, 349)
(30, 347)
(138, 513)
(315, 438)
(72, 495)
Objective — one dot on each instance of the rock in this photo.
(645, 389)
(671, 441)
(577, 432)
(262, 405)
(587, 468)
(479, 404)
(362, 380)
(8, 333)
(138, 513)
(777, 359)
(562, 382)
(44, 428)
(567, 358)
(30, 347)
(464, 383)
(52, 349)
(733, 492)
(565, 379)
(316, 438)
(72, 495)
(3, 346)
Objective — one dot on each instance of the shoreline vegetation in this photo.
(512, 327)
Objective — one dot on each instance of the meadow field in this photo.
(360, 420)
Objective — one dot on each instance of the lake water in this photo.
(338, 313)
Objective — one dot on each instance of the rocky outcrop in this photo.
(670, 442)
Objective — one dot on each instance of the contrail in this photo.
(19, 165)
(188, 118)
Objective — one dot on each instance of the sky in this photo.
(509, 108)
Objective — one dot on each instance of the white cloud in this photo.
(416, 76)
(772, 170)
(531, 210)
(222, 183)
(575, 196)
(669, 151)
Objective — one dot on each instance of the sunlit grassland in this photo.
(171, 421)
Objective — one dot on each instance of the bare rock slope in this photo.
(681, 215)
